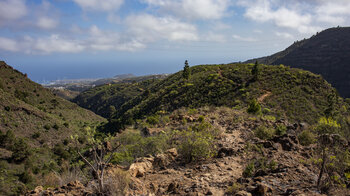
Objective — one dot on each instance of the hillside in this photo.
(107, 99)
(233, 129)
(33, 122)
(283, 92)
(325, 53)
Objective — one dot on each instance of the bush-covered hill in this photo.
(325, 53)
(282, 92)
(107, 99)
(33, 123)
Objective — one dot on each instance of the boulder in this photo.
(164, 159)
(288, 142)
(243, 193)
(139, 169)
(223, 152)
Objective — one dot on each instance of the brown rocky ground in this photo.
(288, 170)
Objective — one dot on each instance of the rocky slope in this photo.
(326, 53)
(282, 166)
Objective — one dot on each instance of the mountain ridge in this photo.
(326, 53)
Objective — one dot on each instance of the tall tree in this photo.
(255, 71)
(186, 72)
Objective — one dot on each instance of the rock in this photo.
(263, 189)
(146, 132)
(139, 169)
(223, 152)
(172, 152)
(173, 188)
(243, 193)
(288, 142)
(163, 160)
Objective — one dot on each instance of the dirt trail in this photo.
(261, 99)
(212, 176)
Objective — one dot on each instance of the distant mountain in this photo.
(124, 76)
(79, 85)
(327, 53)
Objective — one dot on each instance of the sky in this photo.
(69, 39)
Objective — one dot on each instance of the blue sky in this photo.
(57, 39)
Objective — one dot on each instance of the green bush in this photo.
(197, 143)
(266, 111)
(56, 126)
(264, 133)
(47, 127)
(281, 130)
(306, 138)
(20, 151)
(201, 118)
(249, 170)
(153, 120)
(134, 145)
(234, 188)
(36, 135)
(254, 107)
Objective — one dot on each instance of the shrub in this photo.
(249, 170)
(254, 107)
(201, 118)
(20, 151)
(134, 146)
(55, 126)
(306, 138)
(281, 130)
(234, 188)
(196, 143)
(117, 183)
(152, 120)
(266, 111)
(61, 152)
(36, 135)
(47, 127)
(264, 133)
(26, 177)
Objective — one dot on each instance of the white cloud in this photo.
(284, 35)
(7, 44)
(12, 10)
(215, 37)
(56, 43)
(103, 40)
(47, 23)
(95, 40)
(150, 28)
(263, 11)
(245, 39)
(193, 9)
(333, 12)
(100, 5)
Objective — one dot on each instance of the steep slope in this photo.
(34, 122)
(27, 107)
(326, 53)
(282, 91)
(106, 99)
